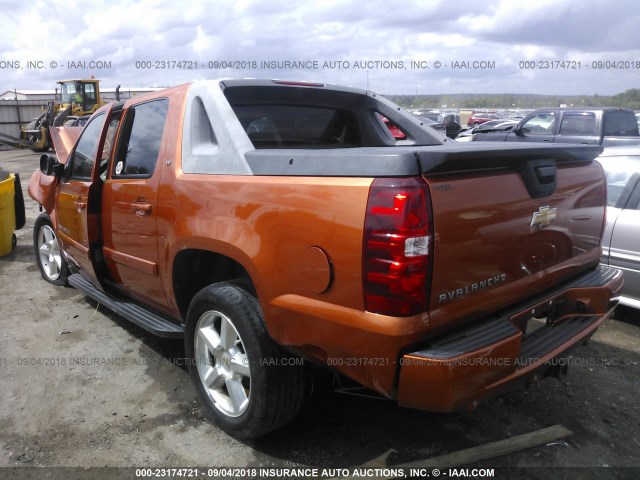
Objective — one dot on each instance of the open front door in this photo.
(78, 202)
(130, 202)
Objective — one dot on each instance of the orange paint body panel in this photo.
(494, 264)
(64, 139)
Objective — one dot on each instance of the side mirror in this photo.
(519, 130)
(49, 165)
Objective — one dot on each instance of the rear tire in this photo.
(49, 257)
(249, 384)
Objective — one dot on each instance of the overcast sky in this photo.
(541, 46)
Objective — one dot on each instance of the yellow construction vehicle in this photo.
(75, 98)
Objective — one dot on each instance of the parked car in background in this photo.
(493, 125)
(598, 126)
(76, 121)
(480, 118)
(447, 124)
(427, 120)
(620, 245)
(465, 135)
(435, 116)
(490, 126)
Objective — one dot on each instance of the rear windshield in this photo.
(291, 126)
(621, 123)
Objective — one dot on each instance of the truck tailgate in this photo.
(509, 222)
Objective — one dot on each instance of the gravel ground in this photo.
(82, 387)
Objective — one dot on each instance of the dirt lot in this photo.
(82, 387)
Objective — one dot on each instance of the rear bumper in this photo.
(457, 370)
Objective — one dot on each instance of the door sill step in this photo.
(129, 310)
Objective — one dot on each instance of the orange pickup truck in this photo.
(274, 223)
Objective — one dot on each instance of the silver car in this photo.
(621, 240)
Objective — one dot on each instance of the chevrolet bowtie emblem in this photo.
(543, 217)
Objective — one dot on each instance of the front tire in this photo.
(249, 384)
(51, 262)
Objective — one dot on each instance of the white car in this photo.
(620, 245)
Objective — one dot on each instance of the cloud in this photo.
(597, 25)
(125, 33)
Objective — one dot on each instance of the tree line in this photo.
(627, 99)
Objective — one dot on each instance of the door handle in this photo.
(141, 208)
(80, 203)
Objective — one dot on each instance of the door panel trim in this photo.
(70, 241)
(141, 264)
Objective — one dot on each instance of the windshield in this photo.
(66, 92)
(79, 93)
(622, 174)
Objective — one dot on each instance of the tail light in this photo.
(398, 246)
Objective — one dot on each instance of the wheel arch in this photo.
(195, 268)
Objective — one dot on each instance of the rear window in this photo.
(294, 126)
(578, 123)
(622, 123)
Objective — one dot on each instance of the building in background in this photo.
(18, 107)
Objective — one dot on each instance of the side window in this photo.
(140, 140)
(84, 156)
(108, 145)
(540, 124)
(578, 124)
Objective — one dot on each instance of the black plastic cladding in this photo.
(409, 161)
